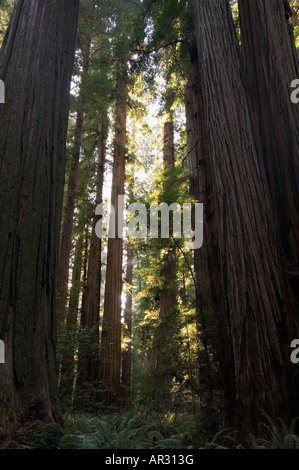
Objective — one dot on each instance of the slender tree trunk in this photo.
(248, 285)
(84, 340)
(110, 354)
(127, 353)
(85, 268)
(67, 368)
(168, 265)
(164, 338)
(67, 229)
(36, 62)
(91, 309)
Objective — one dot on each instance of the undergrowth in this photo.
(129, 430)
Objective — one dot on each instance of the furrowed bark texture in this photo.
(36, 62)
(271, 64)
(248, 285)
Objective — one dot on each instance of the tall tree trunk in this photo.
(67, 229)
(164, 338)
(83, 339)
(168, 264)
(91, 309)
(110, 354)
(248, 285)
(36, 62)
(67, 368)
(201, 268)
(265, 34)
(127, 353)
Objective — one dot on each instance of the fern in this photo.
(281, 435)
(225, 438)
(125, 431)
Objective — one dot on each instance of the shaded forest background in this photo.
(157, 345)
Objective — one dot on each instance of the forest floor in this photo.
(131, 430)
(141, 428)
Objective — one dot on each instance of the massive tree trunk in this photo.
(68, 221)
(248, 285)
(110, 354)
(36, 62)
(266, 35)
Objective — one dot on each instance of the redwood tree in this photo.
(268, 89)
(36, 62)
(164, 339)
(110, 354)
(126, 370)
(89, 359)
(127, 353)
(249, 285)
(68, 216)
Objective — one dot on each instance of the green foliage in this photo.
(6, 7)
(223, 439)
(40, 435)
(236, 18)
(278, 435)
(281, 435)
(47, 436)
(139, 429)
(128, 430)
(164, 42)
(295, 20)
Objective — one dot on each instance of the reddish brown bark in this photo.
(127, 353)
(67, 366)
(89, 363)
(36, 62)
(110, 354)
(248, 283)
(68, 221)
(265, 34)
